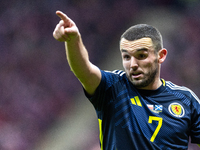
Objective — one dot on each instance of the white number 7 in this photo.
(153, 118)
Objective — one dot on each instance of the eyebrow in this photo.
(139, 49)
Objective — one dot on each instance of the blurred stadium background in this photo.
(42, 105)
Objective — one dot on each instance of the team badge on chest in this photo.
(176, 110)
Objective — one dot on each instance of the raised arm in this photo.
(88, 74)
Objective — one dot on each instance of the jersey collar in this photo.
(153, 92)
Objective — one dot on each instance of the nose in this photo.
(133, 63)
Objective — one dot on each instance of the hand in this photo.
(66, 29)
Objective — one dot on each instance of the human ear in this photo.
(162, 54)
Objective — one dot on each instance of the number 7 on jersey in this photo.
(159, 119)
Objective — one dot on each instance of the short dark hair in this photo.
(141, 31)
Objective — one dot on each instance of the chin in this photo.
(138, 83)
(141, 83)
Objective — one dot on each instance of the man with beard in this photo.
(136, 109)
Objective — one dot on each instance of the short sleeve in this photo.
(103, 94)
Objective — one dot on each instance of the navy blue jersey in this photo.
(132, 119)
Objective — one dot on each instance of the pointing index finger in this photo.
(62, 16)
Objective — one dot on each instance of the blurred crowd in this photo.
(36, 84)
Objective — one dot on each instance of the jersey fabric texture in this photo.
(145, 119)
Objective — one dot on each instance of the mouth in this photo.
(136, 75)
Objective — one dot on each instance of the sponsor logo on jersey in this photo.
(176, 110)
(155, 108)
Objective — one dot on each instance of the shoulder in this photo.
(110, 78)
(181, 91)
(115, 72)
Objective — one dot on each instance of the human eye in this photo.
(142, 56)
(126, 57)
